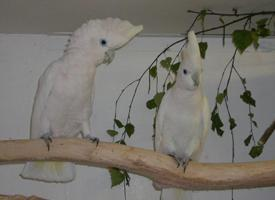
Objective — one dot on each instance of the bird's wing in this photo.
(160, 121)
(39, 122)
(205, 125)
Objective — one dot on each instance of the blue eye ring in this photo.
(185, 71)
(103, 42)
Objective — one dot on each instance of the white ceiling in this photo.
(159, 17)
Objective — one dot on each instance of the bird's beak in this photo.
(109, 56)
(195, 78)
(133, 31)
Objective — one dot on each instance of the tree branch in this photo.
(155, 166)
(210, 12)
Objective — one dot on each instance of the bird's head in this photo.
(102, 37)
(189, 74)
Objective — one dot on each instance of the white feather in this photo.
(65, 93)
(182, 120)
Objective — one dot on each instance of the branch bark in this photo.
(158, 167)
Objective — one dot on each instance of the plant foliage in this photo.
(242, 39)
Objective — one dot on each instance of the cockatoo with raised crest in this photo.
(64, 97)
(183, 116)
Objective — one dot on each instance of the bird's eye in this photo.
(185, 71)
(103, 42)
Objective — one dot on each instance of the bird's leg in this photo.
(182, 162)
(90, 138)
(47, 137)
(86, 133)
(185, 162)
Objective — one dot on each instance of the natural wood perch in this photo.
(157, 167)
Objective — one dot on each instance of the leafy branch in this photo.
(242, 39)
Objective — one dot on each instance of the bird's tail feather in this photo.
(49, 171)
(176, 194)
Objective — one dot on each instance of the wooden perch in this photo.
(157, 167)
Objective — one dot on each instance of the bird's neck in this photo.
(79, 62)
(182, 95)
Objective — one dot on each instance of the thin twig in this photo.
(232, 14)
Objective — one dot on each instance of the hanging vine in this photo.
(253, 29)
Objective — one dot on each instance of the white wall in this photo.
(24, 57)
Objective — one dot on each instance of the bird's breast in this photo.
(69, 104)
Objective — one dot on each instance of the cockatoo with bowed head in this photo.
(64, 98)
(183, 116)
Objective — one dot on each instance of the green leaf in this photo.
(251, 115)
(130, 129)
(165, 63)
(263, 32)
(117, 177)
(217, 123)
(261, 23)
(220, 98)
(202, 17)
(151, 104)
(248, 140)
(242, 39)
(158, 97)
(112, 133)
(219, 131)
(256, 151)
(255, 39)
(175, 67)
(153, 71)
(169, 85)
(202, 14)
(232, 123)
(255, 123)
(225, 93)
(247, 98)
(118, 123)
(203, 47)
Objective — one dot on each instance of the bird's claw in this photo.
(182, 162)
(47, 137)
(92, 139)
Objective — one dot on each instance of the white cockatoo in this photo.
(64, 97)
(183, 116)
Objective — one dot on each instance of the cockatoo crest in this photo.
(189, 75)
(105, 35)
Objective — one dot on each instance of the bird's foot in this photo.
(47, 137)
(92, 139)
(185, 163)
(182, 162)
